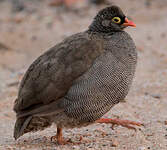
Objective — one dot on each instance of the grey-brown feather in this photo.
(80, 79)
(52, 74)
(85, 81)
(106, 83)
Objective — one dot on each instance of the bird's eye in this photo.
(116, 20)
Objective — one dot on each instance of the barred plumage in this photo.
(105, 84)
(79, 80)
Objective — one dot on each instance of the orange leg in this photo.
(125, 123)
(59, 137)
(60, 140)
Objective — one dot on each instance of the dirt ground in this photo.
(26, 34)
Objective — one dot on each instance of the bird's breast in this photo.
(100, 88)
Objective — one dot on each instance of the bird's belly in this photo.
(98, 90)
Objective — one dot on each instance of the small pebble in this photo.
(17, 5)
(114, 143)
(149, 38)
(3, 47)
(165, 122)
(33, 38)
(142, 148)
(75, 147)
(163, 35)
(146, 93)
(17, 20)
(156, 96)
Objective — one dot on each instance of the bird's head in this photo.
(110, 19)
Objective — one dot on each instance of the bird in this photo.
(80, 79)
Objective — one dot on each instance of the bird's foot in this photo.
(62, 141)
(59, 140)
(125, 123)
(59, 137)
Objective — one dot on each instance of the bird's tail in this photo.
(30, 124)
(20, 125)
(35, 119)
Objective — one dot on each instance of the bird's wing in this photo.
(51, 75)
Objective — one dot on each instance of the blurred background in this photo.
(30, 27)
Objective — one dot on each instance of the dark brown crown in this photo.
(107, 14)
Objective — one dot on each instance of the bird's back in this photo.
(50, 76)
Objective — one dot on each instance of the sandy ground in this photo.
(25, 35)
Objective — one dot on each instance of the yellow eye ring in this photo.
(116, 20)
